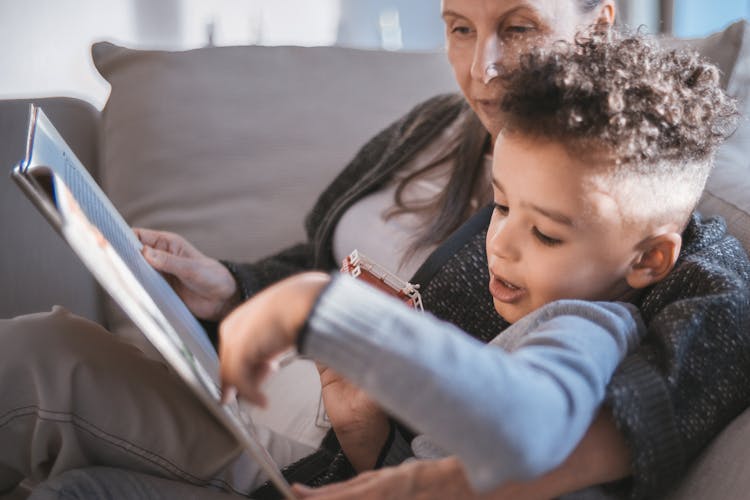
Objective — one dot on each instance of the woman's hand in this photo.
(263, 327)
(204, 284)
(601, 457)
(360, 425)
(419, 479)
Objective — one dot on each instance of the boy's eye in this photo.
(501, 209)
(518, 29)
(544, 239)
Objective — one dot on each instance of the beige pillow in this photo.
(230, 147)
(723, 469)
(728, 190)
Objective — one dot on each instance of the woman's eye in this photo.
(517, 31)
(501, 209)
(544, 239)
(461, 30)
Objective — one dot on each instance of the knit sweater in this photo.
(687, 381)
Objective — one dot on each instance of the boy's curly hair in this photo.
(659, 114)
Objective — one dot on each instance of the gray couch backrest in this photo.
(29, 246)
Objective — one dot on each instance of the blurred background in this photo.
(45, 43)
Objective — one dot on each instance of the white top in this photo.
(364, 226)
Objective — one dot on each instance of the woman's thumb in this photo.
(169, 263)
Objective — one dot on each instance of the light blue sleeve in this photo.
(505, 414)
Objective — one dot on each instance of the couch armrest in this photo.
(723, 469)
(37, 269)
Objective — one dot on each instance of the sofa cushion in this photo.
(230, 147)
(723, 469)
(37, 268)
(728, 190)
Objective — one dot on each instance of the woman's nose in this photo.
(486, 64)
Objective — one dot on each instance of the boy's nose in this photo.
(487, 59)
(501, 242)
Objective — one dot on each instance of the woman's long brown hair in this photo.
(448, 210)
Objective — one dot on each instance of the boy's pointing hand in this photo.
(263, 327)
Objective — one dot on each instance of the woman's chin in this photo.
(492, 122)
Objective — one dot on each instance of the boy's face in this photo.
(557, 231)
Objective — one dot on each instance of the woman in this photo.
(443, 142)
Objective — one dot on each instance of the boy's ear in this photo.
(656, 258)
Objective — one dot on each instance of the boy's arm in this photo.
(506, 415)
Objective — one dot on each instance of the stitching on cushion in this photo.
(91, 429)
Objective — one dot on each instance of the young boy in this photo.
(607, 146)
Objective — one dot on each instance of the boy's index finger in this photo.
(238, 375)
(227, 370)
(228, 393)
(238, 382)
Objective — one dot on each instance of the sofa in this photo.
(229, 146)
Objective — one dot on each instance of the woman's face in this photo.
(486, 37)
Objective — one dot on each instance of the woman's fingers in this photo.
(154, 239)
(370, 485)
(203, 283)
(442, 478)
(165, 241)
(303, 491)
(184, 268)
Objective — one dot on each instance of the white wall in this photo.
(45, 44)
(263, 22)
(391, 24)
(640, 14)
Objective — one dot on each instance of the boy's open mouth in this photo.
(504, 290)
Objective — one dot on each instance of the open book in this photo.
(61, 188)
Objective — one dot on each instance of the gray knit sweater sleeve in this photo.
(508, 412)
